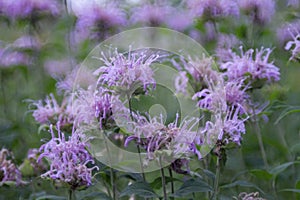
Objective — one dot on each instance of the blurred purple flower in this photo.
(59, 68)
(179, 19)
(151, 14)
(27, 43)
(10, 58)
(8, 170)
(37, 165)
(125, 72)
(224, 45)
(68, 159)
(93, 106)
(256, 66)
(294, 46)
(52, 112)
(213, 9)
(31, 8)
(97, 21)
(293, 3)
(176, 140)
(260, 11)
(287, 31)
(181, 82)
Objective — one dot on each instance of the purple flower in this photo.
(97, 21)
(59, 68)
(10, 58)
(293, 3)
(181, 82)
(50, 111)
(294, 46)
(255, 66)
(151, 14)
(224, 45)
(27, 43)
(125, 72)
(286, 32)
(68, 159)
(228, 128)
(175, 139)
(29, 8)
(93, 106)
(179, 19)
(260, 11)
(8, 170)
(212, 9)
(37, 165)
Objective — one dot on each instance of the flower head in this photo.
(260, 11)
(8, 170)
(294, 46)
(125, 72)
(97, 21)
(212, 9)
(28, 8)
(256, 66)
(68, 158)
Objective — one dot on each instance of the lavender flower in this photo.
(260, 11)
(181, 82)
(97, 21)
(175, 141)
(125, 72)
(294, 46)
(8, 170)
(179, 19)
(293, 3)
(151, 14)
(31, 8)
(256, 67)
(213, 9)
(93, 106)
(224, 45)
(286, 32)
(59, 68)
(51, 111)
(68, 159)
(27, 43)
(37, 165)
(10, 58)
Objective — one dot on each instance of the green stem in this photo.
(163, 180)
(172, 183)
(112, 179)
(216, 182)
(71, 194)
(260, 140)
(138, 146)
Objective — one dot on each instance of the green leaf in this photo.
(241, 183)
(290, 190)
(96, 196)
(157, 183)
(52, 197)
(192, 186)
(261, 174)
(278, 169)
(139, 188)
(286, 112)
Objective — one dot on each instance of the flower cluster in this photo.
(175, 139)
(123, 72)
(30, 8)
(8, 170)
(69, 159)
(253, 64)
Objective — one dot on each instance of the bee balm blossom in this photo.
(252, 63)
(212, 9)
(260, 11)
(8, 170)
(125, 72)
(294, 46)
(68, 160)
